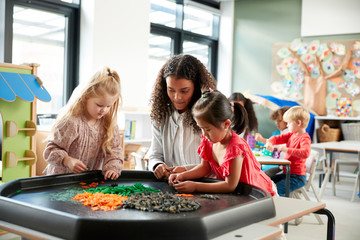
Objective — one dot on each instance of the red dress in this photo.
(251, 172)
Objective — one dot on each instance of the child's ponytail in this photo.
(253, 122)
(239, 119)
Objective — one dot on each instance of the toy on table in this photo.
(251, 139)
(276, 153)
(257, 148)
(267, 152)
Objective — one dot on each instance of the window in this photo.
(189, 28)
(47, 33)
(160, 49)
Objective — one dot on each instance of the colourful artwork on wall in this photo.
(317, 73)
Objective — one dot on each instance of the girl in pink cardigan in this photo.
(86, 136)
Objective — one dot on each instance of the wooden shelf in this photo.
(337, 118)
(320, 119)
(138, 141)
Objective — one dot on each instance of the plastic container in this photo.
(251, 140)
(351, 131)
(276, 153)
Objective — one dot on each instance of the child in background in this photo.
(276, 116)
(297, 149)
(221, 149)
(86, 136)
(248, 105)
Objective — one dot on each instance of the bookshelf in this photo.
(141, 118)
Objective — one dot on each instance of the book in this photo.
(133, 128)
(127, 131)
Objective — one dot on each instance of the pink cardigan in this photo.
(80, 140)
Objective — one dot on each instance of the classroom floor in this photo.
(347, 216)
(346, 213)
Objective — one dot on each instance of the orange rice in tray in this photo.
(100, 201)
(184, 195)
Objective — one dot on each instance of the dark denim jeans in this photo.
(296, 181)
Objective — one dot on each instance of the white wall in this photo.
(225, 53)
(329, 17)
(115, 34)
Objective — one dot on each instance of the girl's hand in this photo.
(179, 169)
(171, 170)
(111, 174)
(186, 187)
(75, 165)
(175, 178)
(161, 171)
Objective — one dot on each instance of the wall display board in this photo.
(322, 75)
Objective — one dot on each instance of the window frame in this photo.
(179, 35)
(72, 39)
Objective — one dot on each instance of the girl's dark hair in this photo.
(179, 66)
(214, 108)
(248, 105)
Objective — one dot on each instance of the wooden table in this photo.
(266, 160)
(287, 209)
(352, 147)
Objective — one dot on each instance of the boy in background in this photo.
(278, 117)
(297, 148)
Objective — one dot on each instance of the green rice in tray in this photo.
(122, 190)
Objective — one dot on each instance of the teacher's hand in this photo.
(161, 171)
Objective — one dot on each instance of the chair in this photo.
(311, 163)
(40, 147)
(336, 175)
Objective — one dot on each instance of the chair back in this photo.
(311, 163)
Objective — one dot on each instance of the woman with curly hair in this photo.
(175, 135)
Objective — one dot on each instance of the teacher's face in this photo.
(180, 92)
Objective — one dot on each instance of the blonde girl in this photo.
(85, 135)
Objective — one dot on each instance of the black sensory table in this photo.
(44, 204)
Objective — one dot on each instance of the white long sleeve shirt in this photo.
(174, 144)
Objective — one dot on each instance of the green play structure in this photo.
(19, 90)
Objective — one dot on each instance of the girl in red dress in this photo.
(222, 150)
